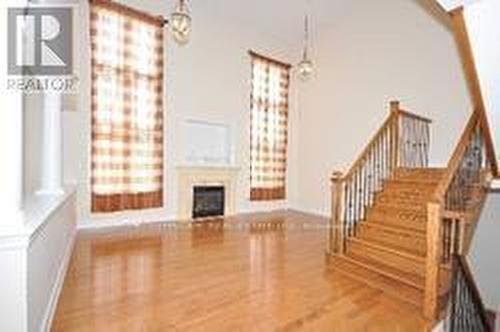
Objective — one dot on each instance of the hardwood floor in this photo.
(264, 272)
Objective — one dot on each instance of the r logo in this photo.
(45, 33)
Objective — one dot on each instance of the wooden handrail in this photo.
(396, 112)
(453, 199)
(455, 159)
(473, 156)
(369, 147)
(415, 116)
(468, 62)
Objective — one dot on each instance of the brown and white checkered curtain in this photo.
(269, 128)
(127, 108)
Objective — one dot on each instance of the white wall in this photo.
(484, 29)
(379, 51)
(484, 256)
(208, 79)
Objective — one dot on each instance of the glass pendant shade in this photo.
(306, 69)
(180, 22)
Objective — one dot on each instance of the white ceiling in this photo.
(283, 19)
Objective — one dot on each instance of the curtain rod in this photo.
(129, 10)
(264, 57)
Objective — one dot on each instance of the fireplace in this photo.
(208, 201)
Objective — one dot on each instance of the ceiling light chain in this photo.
(305, 66)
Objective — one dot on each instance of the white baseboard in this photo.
(90, 224)
(133, 221)
(135, 218)
(57, 288)
(311, 211)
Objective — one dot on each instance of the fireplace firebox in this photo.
(208, 201)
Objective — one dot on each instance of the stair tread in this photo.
(418, 207)
(398, 208)
(421, 169)
(412, 187)
(419, 180)
(371, 277)
(401, 195)
(423, 179)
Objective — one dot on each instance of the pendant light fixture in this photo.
(180, 23)
(305, 66)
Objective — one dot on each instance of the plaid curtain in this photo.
(269, 128)
(127, 108)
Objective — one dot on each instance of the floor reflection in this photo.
(261, 272)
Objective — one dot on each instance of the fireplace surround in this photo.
(191, 176)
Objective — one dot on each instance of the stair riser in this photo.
(411, 189)
(408, 241)
(404, 197)
(418, 177)
(396, 218)
(436, 173)
(393, 260)
(406, 204)
(419, 181)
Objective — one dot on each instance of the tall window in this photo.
(269, 128)
(127, 108)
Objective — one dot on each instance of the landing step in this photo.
(409, 279)
(368, 276)
(401, 262)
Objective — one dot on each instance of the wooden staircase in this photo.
(399, 225)
(389, 249)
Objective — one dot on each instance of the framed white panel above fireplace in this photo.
(190, 176)
(207, 143)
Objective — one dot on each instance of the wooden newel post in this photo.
(336, 234)
(395, 106)
(395, 143)
(433, 261)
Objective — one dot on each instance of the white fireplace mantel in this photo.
(189, 176)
